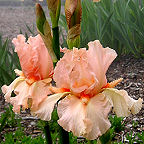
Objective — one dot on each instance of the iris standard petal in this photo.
(99, 59)
(34, 58)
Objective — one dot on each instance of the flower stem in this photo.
(47, 133)
(64, 136)
(56, 47)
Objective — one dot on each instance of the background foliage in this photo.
(118, 24)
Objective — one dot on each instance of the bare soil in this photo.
(14, 19)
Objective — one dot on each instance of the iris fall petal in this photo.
(123, 105)
(88, 120)
(46, 107)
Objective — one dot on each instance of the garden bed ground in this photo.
(129, 68)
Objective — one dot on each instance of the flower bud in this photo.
(54, 11)
(73, 12)
(44, 30)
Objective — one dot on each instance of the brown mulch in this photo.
(132, 72)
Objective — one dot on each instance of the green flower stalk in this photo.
(73, 12)
(54, 10)
(54, 7)
(44, 30)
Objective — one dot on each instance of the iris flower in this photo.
(31, 85)
(86, 96)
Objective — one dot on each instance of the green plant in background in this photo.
(8, 62)
(117, 123)
(131, 137)
(19, 137)
(31, 30)
(117, 24)
(8, 119)
(134, 124)
(8, 58)
(140, 137)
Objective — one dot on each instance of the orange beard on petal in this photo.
(113, 83)
(31, 80)
(58, 90)
(84, 98)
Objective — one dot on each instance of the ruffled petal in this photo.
(46, 107)
(99, 59)
(39, 91)
(84, 70)
(21, 98)
(81, 76)
(44, 60)
(73, 72)
(62, 71)
(35, 61)
(7, 90)
(64, 50)
(98, 109)
(71, 112)
(123, 105)
(89, 120)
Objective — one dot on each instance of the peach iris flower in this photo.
(31, 85)
(80, 76)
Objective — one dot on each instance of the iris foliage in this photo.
(118, 24)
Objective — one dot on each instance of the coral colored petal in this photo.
(84, 70)
(44, 60)
(64, 50)
(71, 114)
(35, 61)
(73, 72)
(38, 92)
(122, 103)
(99, 59)
(81, 76)
(98, 109)
(89, 120)
(62, 71)
(46, 107)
